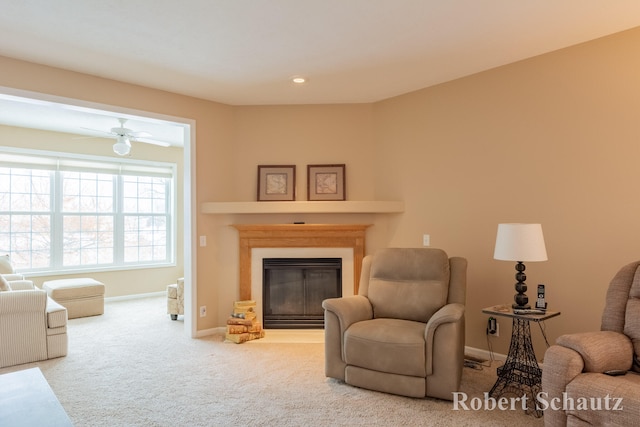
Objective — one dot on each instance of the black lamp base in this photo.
(521, 299)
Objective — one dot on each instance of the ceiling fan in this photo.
(124, 136)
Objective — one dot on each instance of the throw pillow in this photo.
(5, 265)
(4, 285)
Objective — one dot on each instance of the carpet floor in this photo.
(133, 366)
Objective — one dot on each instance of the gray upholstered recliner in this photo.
(573, 382)
(404, 331)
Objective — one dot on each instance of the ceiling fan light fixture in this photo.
(122, 147)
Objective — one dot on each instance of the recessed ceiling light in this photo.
(298, 80)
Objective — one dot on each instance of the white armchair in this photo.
(175, 299)
(33, 327)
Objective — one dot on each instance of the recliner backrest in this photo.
(408, 283)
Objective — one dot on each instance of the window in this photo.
(25, 216)
(82, 213)
(145, 222)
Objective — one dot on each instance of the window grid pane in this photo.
(87, 192)
(88, 240)
(27, 239)
(145, 238)
(25, 190)
(144, 194)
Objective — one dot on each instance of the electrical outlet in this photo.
(493, 327)
(426, 240)
(203, 311)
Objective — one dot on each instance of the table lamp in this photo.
(520, 243)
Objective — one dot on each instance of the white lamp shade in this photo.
(520, 242)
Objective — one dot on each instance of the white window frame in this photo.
(57, 162)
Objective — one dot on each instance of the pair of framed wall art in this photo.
(278, 182)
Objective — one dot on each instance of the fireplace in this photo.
(260, 241)
(294, 288)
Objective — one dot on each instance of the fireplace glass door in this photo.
(294, 288)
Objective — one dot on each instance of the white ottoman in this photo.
(81, 297)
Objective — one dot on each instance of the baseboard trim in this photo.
(471, 351)
(206, 332)
(484, 354)
(136, 296)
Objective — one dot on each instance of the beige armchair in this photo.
(574, 367)
(404, 331)
(33, 327)
(175, 299)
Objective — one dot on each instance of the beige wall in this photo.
(553, 139)
(122, 282)
(302, 135)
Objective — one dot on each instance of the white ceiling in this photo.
(244, 52)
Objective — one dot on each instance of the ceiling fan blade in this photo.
(140, 134)
(97, 130)
(153, 142)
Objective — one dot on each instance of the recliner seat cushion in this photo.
(387, 345)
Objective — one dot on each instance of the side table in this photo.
(520, 375)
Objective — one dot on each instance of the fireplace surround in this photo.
(258, 241)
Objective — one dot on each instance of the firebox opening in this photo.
(294, 288)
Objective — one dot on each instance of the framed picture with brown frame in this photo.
(276, 183)
(326, 182)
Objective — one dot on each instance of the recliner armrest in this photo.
(561, 366)
(349, 310)
(23, 301)
(601, 351)
(56, 314)
(449, 313)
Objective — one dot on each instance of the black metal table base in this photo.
(520, 376)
